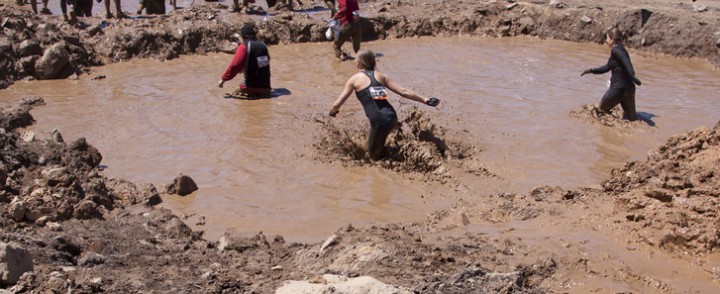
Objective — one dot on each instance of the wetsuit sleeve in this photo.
(601, 70)
(237, 64)
(624, 60)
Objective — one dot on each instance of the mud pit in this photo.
(500, 114)
(646, 229)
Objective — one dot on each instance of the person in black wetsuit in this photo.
(369, 86)
(622, 80)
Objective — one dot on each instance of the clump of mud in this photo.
(674, 195)
(615, 118)
(415, 145)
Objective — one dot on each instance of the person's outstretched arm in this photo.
(405, 93)
(343, 96)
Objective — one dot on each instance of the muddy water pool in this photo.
(255, 164)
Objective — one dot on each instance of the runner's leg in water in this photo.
(623, 96)
(628, 103)
(377, 137)
(611, 98)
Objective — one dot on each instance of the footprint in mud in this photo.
(415, 145)
(591, 113)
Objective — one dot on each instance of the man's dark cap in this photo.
(248, 30)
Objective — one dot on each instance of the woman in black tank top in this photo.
(370, 87)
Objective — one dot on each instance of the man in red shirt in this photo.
(350, 21)
(252, 58)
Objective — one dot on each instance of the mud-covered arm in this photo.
(349, 86)
(623, 59)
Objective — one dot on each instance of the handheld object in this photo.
(433, 101)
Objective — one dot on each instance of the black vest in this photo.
(257, 65)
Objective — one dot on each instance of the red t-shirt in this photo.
(345, 10)
(237, 65)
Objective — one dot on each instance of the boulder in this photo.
(14, 262)
(182, 185)
(52, 62)
(17, 210)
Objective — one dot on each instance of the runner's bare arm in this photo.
(349, 87)
(405, 93)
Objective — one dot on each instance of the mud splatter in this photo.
(615, 118)
(416, 145)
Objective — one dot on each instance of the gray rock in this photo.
(17, 210)
(700, 7)
(91, 259)
(182, 185)
(29, 48)
(28, 136)
(14, 262)
(586, 19)
(42, 221)
(557, 4)
(55, 227)
(52, 62)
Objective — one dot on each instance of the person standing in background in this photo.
(349, 18)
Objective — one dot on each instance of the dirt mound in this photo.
(672, 197)
(416, 145)
(46, 180)
(592, 114)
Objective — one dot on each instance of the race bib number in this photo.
(378, 93)
(263, 61)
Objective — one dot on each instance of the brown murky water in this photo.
(254, 160)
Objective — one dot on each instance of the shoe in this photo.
(45, 10)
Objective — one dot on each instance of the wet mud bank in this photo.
(44, 47)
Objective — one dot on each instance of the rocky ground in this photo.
(85, 233)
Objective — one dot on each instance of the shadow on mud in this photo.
(415, 145)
